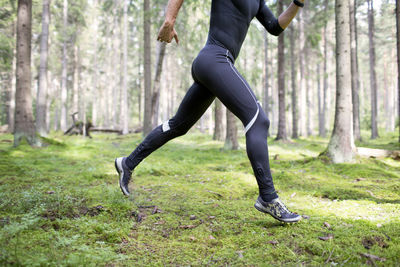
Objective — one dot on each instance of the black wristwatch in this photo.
(298, 3)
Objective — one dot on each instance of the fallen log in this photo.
(378, 153)
(105, 130)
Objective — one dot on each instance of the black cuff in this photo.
(298, 3)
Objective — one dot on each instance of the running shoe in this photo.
(124, 175)
(277, 209)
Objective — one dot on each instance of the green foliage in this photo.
(7, 19)
(61, 205)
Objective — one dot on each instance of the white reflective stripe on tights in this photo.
(165, 126)
(253, 120)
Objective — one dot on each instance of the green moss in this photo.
(61, 205)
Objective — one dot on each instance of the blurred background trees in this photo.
(100, 60)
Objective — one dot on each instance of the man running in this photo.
(214, 75)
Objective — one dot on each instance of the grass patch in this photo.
(192, 204)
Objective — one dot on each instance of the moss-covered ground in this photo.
(192, 204)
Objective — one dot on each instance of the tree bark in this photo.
(302, 98)
(231, 142)
(76, 90)
(372, 63)
(341, 146)
(161, 47)
(325, 77)
(218, 126)
(147, 125)
(95, 76)
(321, 125)
(266, 77)
(295, 133)
(398, 60)
(42, 88)
(24, 126)
(282, 135)
(64, 92)
(11, 107)
(354, 71)
(124, 96)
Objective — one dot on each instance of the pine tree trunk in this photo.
(281, 82)
(295, 133)
(372, 63)
(76, 89)
(24, 126)
(266, 77)
(231, 142)
(308, 86)
(398, 60)
(124, 95)
(42, 88)
(147, 125)
(354, 71)
(325, 79)
(64, 92)
(11, 106)
(218, 126)
(321, 125)
(341, 146)
(115, 56)
(302, 98)
(161, 47)
(95, 76)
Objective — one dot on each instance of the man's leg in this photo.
(192, 107)
(226, 83)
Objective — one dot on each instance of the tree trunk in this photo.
(321, 125)
(115, 56)
(325, 77)
(398, 60)
(341, 146)
(266, 77)
(354, 71)
(231, 142)
(372, 63)
(42, 88)
(95, 76)
(295, 133)
(64, 92)
(11, 107)
(124, 96)
(161, 47)
(24, 126)
(218, 126)
(147, 125)
(302, 98)
(308, 74)
(76, 89)
(281, 82)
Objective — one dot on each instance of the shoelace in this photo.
(282, 206)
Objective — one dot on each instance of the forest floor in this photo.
(192, 204)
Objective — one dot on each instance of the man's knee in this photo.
(173, 128)
(263, 120)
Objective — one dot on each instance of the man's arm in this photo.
(167, 31)
(273, 25)
(288, 15)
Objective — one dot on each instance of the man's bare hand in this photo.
(167, 33)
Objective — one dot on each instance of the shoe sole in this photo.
(120, 170)
(259, 208)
